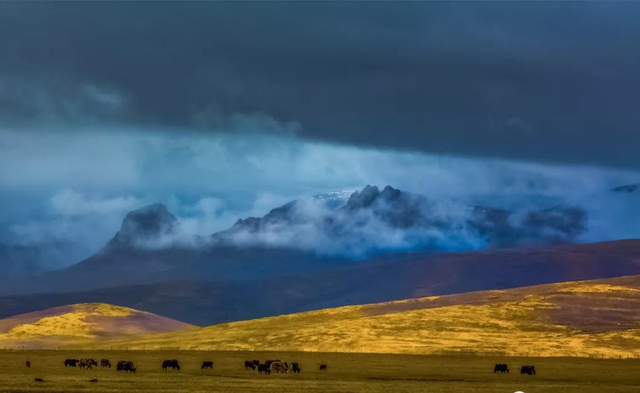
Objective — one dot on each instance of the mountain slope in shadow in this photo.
(208, 302)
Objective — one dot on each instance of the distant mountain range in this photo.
(377, 245)
(302, 237)
(371, 222)
(374, 221)
(366, 224)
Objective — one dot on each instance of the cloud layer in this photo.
(545, 81)
(224, 110)
(76, 185)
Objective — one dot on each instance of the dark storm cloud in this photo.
(549, 81)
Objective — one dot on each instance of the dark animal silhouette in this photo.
(94, 380)
(323, 367)
(83, 364)
(501, 368)
(256, 362)
(173, 364)
(206, 365)
(295, 368)
(87, 364)
(39, 380)
(249, 365)
(125, 366)
(28, 363)
(527, 370)
(71, 363)
(264, 369)
(105, 363)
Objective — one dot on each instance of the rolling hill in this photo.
(81, 323)
(211, 302)
(585, 318)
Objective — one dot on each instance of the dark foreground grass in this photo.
(346, 373)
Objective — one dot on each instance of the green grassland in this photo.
(346, 373)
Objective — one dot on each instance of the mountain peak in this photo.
(370, 194)
(147, 223)
(390, 193)
(364, 198)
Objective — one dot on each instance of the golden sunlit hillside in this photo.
(588, 318)
(80, 323)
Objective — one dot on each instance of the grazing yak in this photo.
(250, 365)
(527, 370)
(264, 368)
(294, 367)
(39, 380)
(87, 364)
(28, 363)
(501, 368)
(173, 364)
(71, 363)
(125, 366)
(323, 367)
(206, 365)
(256, 362)
(105, 363)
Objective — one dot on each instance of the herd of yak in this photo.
(275, 366)
(88, 363)
(269, 366)
(524, 370)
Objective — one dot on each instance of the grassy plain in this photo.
(346, 373)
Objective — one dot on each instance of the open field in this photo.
(346, 373)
